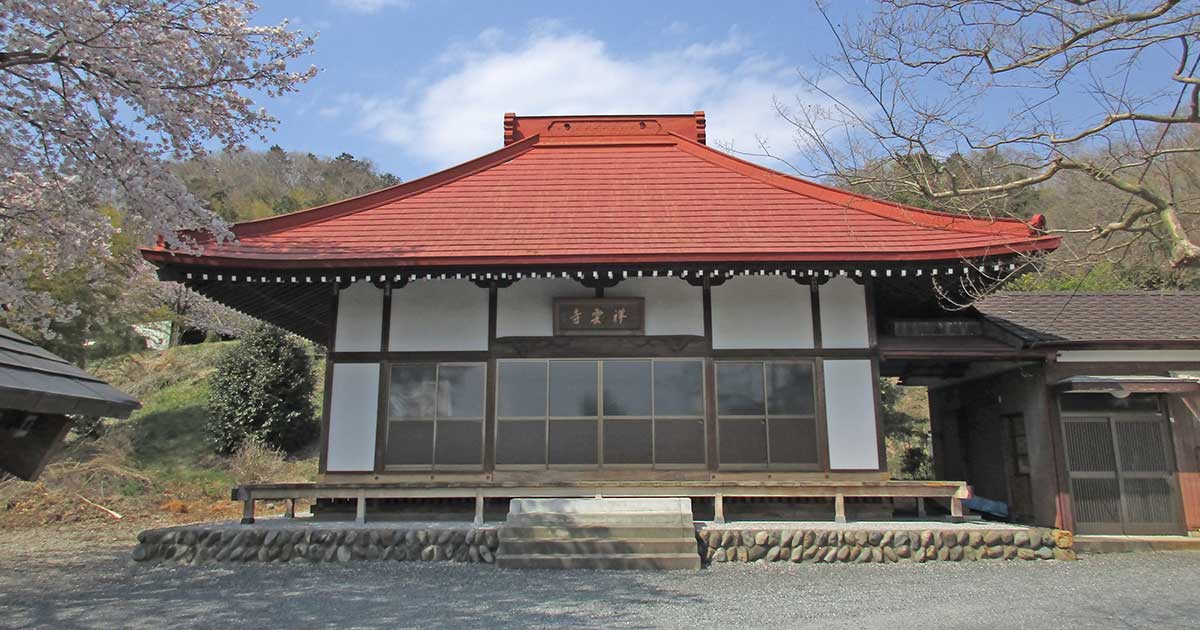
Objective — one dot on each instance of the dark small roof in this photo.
(37, 381)
(1132, 384)
(1054, 318)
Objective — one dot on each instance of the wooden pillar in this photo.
(956, 513)
(839, 508)
(248, 512)
(921, 507)
(711, 456)
(489, 388)
(381, 412)
(719, 508)
(479, 508)
(290, 510)
(360, 509)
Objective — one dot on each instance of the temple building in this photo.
(606, 306)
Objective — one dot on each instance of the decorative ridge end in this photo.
(1037, 225)
(701, 123)
(510, 128)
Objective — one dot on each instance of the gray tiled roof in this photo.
(1074, 317)
(37, 381)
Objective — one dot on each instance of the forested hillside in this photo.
(253, 185)
(1094, 256)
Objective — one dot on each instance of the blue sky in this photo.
(417, 85)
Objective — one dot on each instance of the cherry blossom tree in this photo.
(96, 98)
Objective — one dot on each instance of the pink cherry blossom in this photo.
(96, 97)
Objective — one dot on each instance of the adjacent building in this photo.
(40, 392)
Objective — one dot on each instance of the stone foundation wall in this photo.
(862, 545)
(206, 544)
(200, 544)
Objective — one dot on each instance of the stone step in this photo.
(617, 505)
(611, 532)
(635, 561)
(620, 533)
(599, 546)
(640, 511)
(670, 519)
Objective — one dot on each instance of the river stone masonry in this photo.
(212, 543)
(726, 544)
(200, 544)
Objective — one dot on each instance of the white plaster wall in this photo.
(525, 308)
(359, 318)
(850, 415)
(673, 307)
(843, 314)
(439, 315)
(352, 415)
(761, 312)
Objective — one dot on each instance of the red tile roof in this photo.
(604, 189)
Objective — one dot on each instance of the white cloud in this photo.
(369, 6)
(456, 114)
(678, 27)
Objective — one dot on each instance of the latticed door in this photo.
(1147, 479)
(1121, 473)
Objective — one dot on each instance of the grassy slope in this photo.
(167, 433)
(913, 401)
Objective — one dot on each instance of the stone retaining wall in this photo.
(207, 543)
(893, 545)
(201, 544)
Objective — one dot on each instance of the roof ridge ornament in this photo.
(510, 128)
(613, 126)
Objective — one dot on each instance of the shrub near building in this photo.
(262, 390)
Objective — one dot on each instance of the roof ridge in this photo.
(837, 196)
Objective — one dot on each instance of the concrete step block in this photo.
(595, 546)
(616, 505)
(669, 561)
(599, 519)
(507, 532)
(1127, 544)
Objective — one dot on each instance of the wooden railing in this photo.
(954, 491)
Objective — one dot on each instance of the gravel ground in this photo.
(97, 586)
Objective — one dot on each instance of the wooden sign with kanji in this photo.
(599, 316)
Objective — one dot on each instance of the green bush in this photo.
(262, 390)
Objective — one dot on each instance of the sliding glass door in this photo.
(600, 413)
(435, 415)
